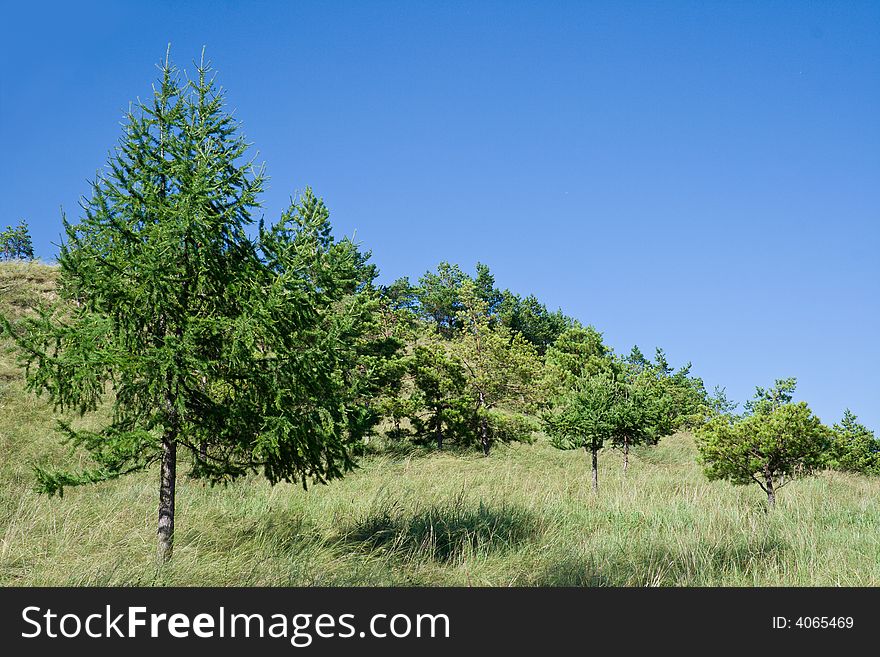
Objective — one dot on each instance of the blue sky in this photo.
(702, 176)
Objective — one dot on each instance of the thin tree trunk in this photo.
(203, 446)
(484, 436)
(595, 466)
(168, 477)
(771, 492)
(625, 454)
(166, 496)
(439, 434)
(484, 427)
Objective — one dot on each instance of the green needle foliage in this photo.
(531, 319)
(581, 376)
(585, 415)
(854, 448)
(439, 298)
(639, 413)
(776, 442)
(16, 242)
(244, 355)
(598, 399)
(576, 353)
(501, 371)
(766, 400)
(438, 406)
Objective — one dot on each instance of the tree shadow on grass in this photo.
(731, 563)
(444, 533)
(398, 450)
(275, 532)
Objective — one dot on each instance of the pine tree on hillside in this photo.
(16, 242)
(25, 242)
(235, 353)
(775, 442)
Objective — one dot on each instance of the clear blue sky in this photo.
(703, 176)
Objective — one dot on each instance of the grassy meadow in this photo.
(525, 516)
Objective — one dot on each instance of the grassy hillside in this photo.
(524, 516)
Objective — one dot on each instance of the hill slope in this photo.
(524, 516)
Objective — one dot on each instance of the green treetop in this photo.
(854, 448)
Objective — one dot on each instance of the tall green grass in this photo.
(525, 516)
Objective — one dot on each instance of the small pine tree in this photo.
(438, 406)
(581, 376)
(24, 242)
(439, 298)
(854, 448)
(776, 442)
(16, 242)
(640, 414)
(584, 415)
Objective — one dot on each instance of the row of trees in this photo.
(479, 366)
(481, 378)
(16, 242)
(237, 349)
(482, 365)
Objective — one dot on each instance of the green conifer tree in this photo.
(24, 245)
(585, 414)
(774, 443)
(854, 448)
(238, 353)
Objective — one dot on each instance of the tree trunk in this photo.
(439, 434)
(166, 496)
(595, 466)
(625, 454)
(484, 436)
(484, 426)
(771, 492)
(203, 446)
